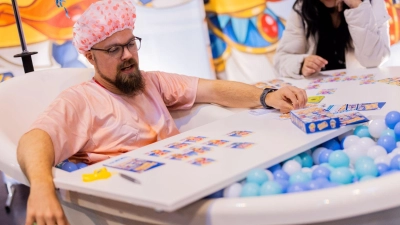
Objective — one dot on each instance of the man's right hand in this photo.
(312, 64)
(43, 207)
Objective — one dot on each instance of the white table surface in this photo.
(178, 183)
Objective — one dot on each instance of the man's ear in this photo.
(90, 57)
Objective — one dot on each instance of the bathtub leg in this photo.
(11, 190)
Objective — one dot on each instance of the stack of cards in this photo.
(355, 107)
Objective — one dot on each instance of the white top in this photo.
(369, 29)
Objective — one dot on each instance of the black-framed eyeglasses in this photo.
(116, 51)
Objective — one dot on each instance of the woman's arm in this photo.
(369, 29)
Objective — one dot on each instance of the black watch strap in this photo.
(264, 95)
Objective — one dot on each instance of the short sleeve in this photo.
(67, 121)
(178, 91)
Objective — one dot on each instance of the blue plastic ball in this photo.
(382, 168)
(271, 188)
(387, 142)
(314, 185)
(389, 172)
(69, 166)
(330, 185)
(320, 172)
(280, 175)
(257, 176)
(324, 156)
(275, 167)
(395, 163)
(284, 184)
(250, 190)
(81, 165)
(365, 166)
(299, 177)
(341, 175)
(397, 131)
(218, 194)
(339, 159)
(298, 187)
(332, 144)
(362, 131)
(306, 160)
(392, 118)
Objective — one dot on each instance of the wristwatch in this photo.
(264, 95)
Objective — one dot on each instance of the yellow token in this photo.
(96, 175)
(315, 99)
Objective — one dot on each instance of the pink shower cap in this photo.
(101, 20)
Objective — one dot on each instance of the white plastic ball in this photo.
(270, 175)
(315, 154)
(385, 159)
(291, 167)
(350, 141)
(376, 151)
(366, 142)
(342, 136)
(306, 170)
(354, 152)
(376, 127)
(233, 191)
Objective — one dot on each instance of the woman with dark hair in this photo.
(333, 34)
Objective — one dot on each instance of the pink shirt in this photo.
(91, 124)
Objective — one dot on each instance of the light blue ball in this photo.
(271, 188)
(341, 175)
(280, 175)
(324, 156)
(327, 166)
(69, 166)
(298, 187)
(362, 131)
(320, 172)
(284, 184)
(81, 165)
(275, 167)
(387, 142)
(250, 190)
(392, 118)
(332, 144)
(382, 168)
(258, 176)
(299, 177)
(365, 166)
(364, 178)
(339, 159)
(306, 160)
(388, 132)
(395, 163)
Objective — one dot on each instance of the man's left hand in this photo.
(287, 98)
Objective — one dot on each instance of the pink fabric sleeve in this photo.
(67, 121)
(178, 91)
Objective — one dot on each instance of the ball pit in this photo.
(368, 152)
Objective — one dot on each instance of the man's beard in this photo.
(130, 84)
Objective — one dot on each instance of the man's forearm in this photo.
(36, 158)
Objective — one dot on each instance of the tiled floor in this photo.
(17, 214)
